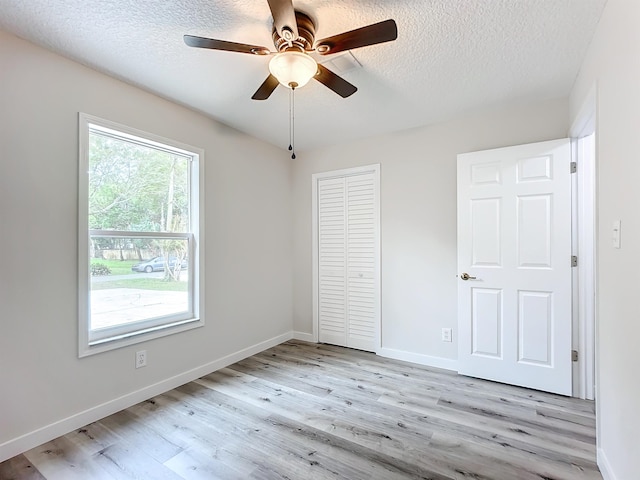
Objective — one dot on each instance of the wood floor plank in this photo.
(565, 417)
(138, 433)
(219, 463)
(93, 438)
(489, 406)
(322, 414)
(444, 418)
(63, 459)
(19, 468)
(125, 461)
(308, 411)
(369, 364)
(275, 429)
(526, 421)
(205, 428)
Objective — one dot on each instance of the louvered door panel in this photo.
(348, 273)
(362, 310)
(332, 285)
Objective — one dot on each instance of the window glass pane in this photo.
(134, 187)
(139, 236)
(138, 279)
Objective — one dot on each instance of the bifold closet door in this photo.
(348, 296)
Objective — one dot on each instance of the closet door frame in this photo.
(315, 178)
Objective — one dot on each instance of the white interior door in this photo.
(346, 291)
(514, 243)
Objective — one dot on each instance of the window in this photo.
(139, 236)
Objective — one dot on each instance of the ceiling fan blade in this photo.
(334, 82)
(201, 42)
(361, 37)
(266, 89)
(284, 18)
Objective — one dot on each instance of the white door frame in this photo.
(315, 178)
(585, 228)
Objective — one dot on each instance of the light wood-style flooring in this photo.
(306, 411)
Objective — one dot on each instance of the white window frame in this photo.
(89, 344)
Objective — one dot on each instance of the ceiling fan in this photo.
(294, 39)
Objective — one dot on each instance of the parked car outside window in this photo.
(156, 264)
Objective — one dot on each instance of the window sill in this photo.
(120, 341)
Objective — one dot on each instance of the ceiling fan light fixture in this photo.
(293, 69)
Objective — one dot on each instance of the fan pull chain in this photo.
(290, 104)
(292, 140)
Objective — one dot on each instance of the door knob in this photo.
(466, 276)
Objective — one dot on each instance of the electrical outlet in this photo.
(141, 358)
(446, 335)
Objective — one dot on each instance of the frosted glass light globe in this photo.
(293, 69)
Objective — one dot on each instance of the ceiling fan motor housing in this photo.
(294, 40)
(306, 35)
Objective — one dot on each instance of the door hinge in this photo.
(574, 167)
(574, 261)
(574, 355)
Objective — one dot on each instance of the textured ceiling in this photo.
(451, 56)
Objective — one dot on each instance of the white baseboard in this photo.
(426, 360)
(47, 433)
(605, 466)
(303, 336)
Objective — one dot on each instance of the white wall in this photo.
(248, 247)
(418, 219)
(613, 64)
